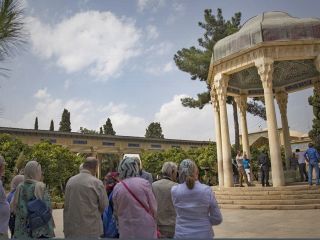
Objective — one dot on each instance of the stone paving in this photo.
(240, 223)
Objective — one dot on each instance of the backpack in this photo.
(38, 212)
(110, 229)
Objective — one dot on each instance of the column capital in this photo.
(241, 101)
(221, 85)
(214, 99)
(317, 63)
(265, 70)
(282, 100)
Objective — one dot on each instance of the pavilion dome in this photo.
(268, 27)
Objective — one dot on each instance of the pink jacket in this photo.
(134, 221)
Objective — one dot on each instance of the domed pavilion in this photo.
(272, 55)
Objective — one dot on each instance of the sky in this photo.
(114, 58)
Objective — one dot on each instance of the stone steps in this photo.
(268, 197)
(270, 207)
(270, 202)
(282, 198)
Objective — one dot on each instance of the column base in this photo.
(291, 176)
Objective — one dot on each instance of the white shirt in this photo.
(197, 210)
(300, 156)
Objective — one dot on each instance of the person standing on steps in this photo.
(312, 157)
(264, 163)
(242, 173)
(302, 165)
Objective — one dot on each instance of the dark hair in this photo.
(310, 145)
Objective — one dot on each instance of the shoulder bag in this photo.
(144, 207)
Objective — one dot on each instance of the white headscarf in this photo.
(16, 181)
(32, 171)
(32, 174)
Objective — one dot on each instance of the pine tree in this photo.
(314, 134)
(101, 131)
(65, 124)
(196, 62)
(108, 129)
(51, 126)
(36, 124)
(154, 130)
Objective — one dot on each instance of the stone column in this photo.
(282, 100)
(215, 104)
(221, 83)
(265, 70)
(317, 63)
(99, 158)
(242, 105)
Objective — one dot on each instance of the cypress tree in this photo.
(51, 126)
(36, 124)
(65, 123)
(108, 129)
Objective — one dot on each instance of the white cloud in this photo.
(83, 114)
(99, 42)
(67, 84)
(152, 5)
(160, 69)
(41, 93)
(160, 49)
(168, 67)
(185, 123)
(195, 124)
(152, 32)
(178, 10)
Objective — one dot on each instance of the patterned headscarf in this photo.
(128, 167)
(187, 168)
(110, 180)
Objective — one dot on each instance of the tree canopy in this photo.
(58, 163)
(12, 32)
(88, 131)
(154, 130)
(196, 62)
(107, 128)
(314, 133)
(65, 123)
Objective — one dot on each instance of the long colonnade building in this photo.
(272, 55)
(97, 144)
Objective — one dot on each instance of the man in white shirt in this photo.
(302, 165)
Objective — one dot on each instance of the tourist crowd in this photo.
(128, 204)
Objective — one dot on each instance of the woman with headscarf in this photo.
(195, 204)
(166, 217)
(14, 184)
(31, 188)
(134, 203)
(110, 229)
